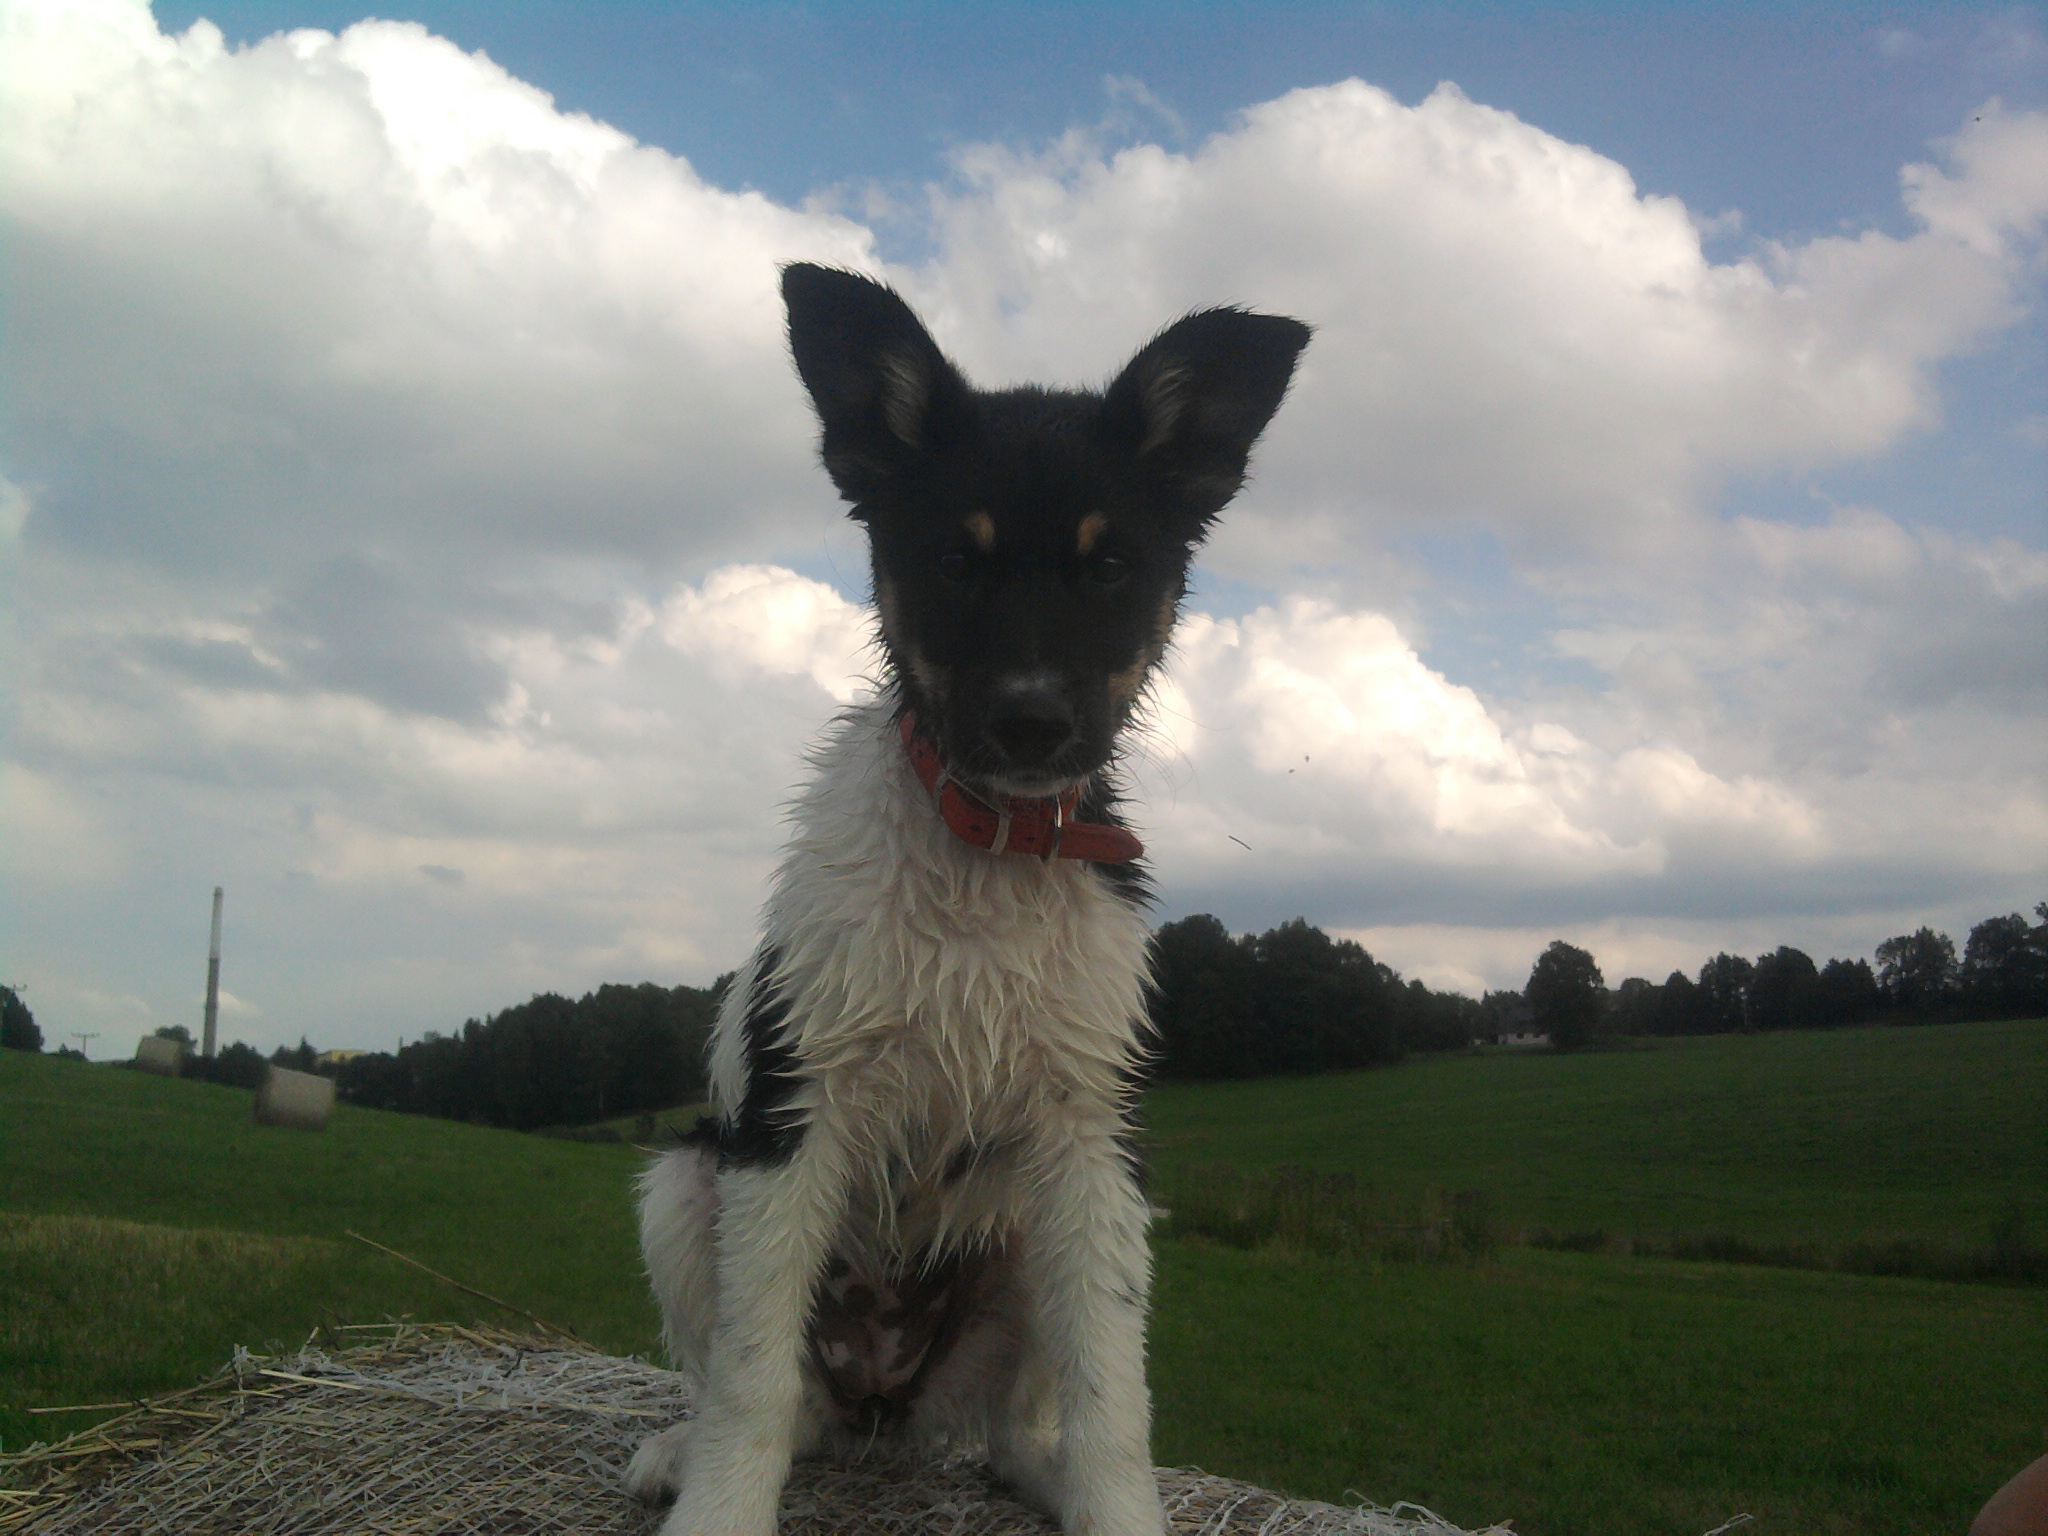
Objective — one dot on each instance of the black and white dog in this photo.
(917, 1215)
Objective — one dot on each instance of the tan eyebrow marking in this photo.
(1092, 528)
(983, 527)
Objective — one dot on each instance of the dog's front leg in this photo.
(1089, 1273)
(775, 1225)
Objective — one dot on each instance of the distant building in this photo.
(1514, 1023)
(336, 1058)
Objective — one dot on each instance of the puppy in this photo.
(917, 1216)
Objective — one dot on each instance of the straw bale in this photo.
(300, 1100)
(447, 1430)
(166, 1058)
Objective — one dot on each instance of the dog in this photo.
(916, 1218)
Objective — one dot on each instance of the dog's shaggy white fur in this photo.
(969, 1025)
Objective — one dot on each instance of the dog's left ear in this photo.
(1196, 398)
(885, 393)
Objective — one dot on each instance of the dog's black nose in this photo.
(1030, 725)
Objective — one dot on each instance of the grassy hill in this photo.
(147, 1226)
(1937, 1133)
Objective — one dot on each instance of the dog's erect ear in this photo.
(1192, 403)
(884, 392)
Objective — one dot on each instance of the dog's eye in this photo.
(953, 566)
(1109, 570)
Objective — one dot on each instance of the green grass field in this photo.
(147, 1226)
(1584, 1395)
(1936, 1133)
(179, 1185)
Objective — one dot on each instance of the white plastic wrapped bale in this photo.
(166, 1058)
(301, 1100)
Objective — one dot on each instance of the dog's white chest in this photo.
(954, 980)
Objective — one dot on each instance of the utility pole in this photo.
(212, 981)
(84, 1038)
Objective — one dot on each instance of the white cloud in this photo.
(1318, 743)
(761, 617)
(1999, 194)
(52, 836)
(1508, 331)
(616, 817)
(404, 479)
(329, 291)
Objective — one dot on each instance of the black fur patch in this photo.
(1131, 881)
(764, 1129)
(961, 1163)
(1130, 1136)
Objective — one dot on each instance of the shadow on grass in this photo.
(2010, 1258)
(1329, 1213)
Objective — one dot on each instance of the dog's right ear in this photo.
(884, 392)
(1197, 396)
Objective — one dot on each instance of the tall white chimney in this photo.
(212, 980)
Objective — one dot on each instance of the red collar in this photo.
(1038, 826)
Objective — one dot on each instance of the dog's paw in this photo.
(1126, 1505)
(1032, 1475)
(656, 1471)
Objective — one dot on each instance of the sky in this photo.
(409, 518)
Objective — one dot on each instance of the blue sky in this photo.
(1795, 117)
(409, 519)
(1800, 116)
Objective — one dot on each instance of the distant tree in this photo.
(1917, 973)
(1846, 993)
(1634, 1006)
(549, 1061)
(299, 1058)
(177, 1032)
(2005, 967)
(643, 1046)
(1320, 1004)
(235, 1066)
(376, 1080)
(1722, 1006)
(18, 1031)
(1201, 1008)
(1566, 995)
(1678, 1006)
(1292, 999)
(1784, 991)
(1433, 1021)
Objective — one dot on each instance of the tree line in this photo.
(1289, 1000)
(620, 1050)
(1918, 979)
(1293, 999)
